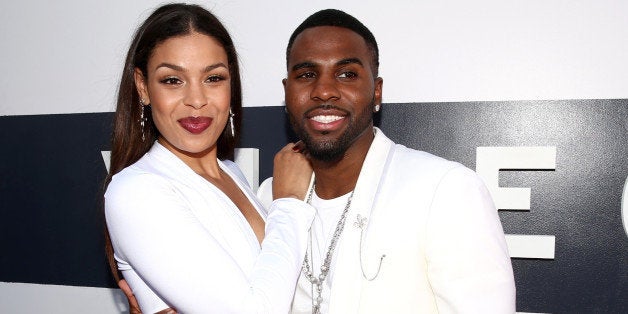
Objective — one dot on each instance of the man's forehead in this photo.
(328, 44)
(327, 33)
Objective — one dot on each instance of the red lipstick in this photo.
(195, 125)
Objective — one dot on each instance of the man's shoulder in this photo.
(422, 159)
(411, 165)
(404, 154)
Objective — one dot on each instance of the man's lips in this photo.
(326, 118)
(195, 125)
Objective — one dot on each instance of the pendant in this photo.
(316, 309)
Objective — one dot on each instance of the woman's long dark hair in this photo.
(127, 145)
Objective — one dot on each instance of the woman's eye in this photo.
(348, 75)
(171, 81)
(215, 78)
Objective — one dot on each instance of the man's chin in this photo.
(326, 151)
(327, 156)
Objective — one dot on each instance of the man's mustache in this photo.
(326, 106)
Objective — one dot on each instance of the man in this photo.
(397, 230)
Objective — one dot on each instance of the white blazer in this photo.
(181, 242)
(438, 228)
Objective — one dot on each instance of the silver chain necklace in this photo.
(318, 281)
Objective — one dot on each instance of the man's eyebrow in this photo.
(349, 61)
(309, 64)
(303, 65)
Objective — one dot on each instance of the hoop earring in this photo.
(231, 114)
(142, 119)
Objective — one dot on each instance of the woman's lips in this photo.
(195, 125)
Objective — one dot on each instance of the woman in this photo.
(185, 228)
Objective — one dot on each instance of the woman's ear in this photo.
(140, 84)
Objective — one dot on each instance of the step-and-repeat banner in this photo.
(556, 169)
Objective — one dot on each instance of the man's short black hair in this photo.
(333, 17)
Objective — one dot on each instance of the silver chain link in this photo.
(318, 281)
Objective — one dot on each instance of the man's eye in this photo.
(348, 75)
(171, 81)
(307, 75)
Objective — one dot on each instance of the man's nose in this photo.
(325, 89)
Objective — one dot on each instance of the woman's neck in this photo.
(204, 163)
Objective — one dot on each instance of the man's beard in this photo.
(330, 150)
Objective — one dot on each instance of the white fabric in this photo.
(328, 213)
(437, 225)
(181, 242)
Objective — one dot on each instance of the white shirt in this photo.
(328, 213)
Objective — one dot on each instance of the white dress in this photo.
(181, 242)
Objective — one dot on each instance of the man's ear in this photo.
(140, 85)
(284, 83)
(379, 85)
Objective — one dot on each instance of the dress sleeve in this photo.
(178, 258)
(468, 262)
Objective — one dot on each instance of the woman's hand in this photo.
(292, 172)
(134, 307)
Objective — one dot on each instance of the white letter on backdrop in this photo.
(246, 158)
(489, 161)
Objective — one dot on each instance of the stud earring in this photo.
(231, 114)
(376, 109)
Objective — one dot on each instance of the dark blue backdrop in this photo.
(51, 173)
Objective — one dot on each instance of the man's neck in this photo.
(339, 177)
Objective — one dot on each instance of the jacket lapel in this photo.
(347, 281)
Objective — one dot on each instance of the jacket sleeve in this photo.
(468, 262)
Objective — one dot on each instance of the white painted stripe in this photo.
(490, 160)
(248, 161)
(24, 298)
(624, 207)
(17, 298)
(246, 158)
(106, 158)
(531, 246)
